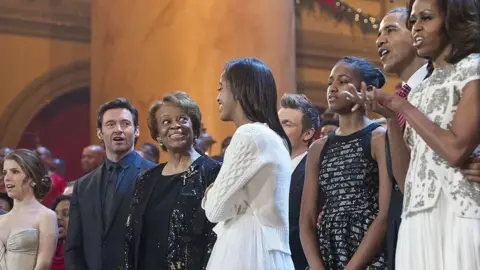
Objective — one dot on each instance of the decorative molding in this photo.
(322, 50)
(315, 91)
(18, 114)
(65, 20)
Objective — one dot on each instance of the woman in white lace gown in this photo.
(28, 234)
(440, 227)
(249, 198)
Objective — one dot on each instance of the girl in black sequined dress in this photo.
(349, 166)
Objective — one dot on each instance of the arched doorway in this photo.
(38, 94)
(63, 126)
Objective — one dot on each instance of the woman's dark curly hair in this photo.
(461, 25)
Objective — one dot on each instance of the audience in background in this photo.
(149, 152)
(225, 144)
(327, 126)
(92, 157)
(6, 203)
(61, 206)
(58, 183)
(4, 151)
(59, 167)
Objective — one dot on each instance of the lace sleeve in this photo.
(242, 161)
(468, 70)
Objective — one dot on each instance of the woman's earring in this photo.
(160, 144)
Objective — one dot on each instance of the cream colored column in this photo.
(142, 50)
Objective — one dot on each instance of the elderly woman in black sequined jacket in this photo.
(167, 228)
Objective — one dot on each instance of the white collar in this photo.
(417, 77)
(296, 160)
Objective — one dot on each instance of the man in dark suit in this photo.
(300, 119)
(100, 200)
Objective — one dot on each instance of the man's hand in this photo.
(472, 170)
(368, 99)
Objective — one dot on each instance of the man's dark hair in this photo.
(118, 103)
(310, 114)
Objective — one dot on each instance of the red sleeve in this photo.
(58, 186)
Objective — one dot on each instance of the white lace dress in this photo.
(249, 200)
(440, 227)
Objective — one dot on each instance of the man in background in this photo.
(300, 119)
(92, 157)
(225, 144)
(150, 152)
(4, 151)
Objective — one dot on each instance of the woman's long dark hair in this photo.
(461, 26)
(252, 83)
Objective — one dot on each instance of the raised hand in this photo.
(355, 97)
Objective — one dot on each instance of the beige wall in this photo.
(24, 60)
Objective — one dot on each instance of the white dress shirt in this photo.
(417, 77)
(296, 160)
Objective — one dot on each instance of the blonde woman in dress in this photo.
(440, 227)
(249, 198)
(28, 234)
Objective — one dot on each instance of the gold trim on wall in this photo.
(65, 20)
(322, 50)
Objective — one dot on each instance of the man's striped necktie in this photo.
(403, 92)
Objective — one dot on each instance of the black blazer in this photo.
(296, 190)
(394, 211)
(88, 245)
(189, 247)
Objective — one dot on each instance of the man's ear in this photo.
(308, 135)
(99, 134)
(137, 132)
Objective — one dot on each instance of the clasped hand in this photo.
(373, 100)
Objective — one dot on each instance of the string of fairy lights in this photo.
(342, 11)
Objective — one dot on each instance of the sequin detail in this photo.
(349, 178)
(190, 238)
(438, 98)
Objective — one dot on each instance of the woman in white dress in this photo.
(440, 227)
(249, 198)
(28, 234)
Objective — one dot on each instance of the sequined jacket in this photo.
(187, 218)
(428, 173)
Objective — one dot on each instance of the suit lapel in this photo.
(298, 175)
(98, 200)
(124, 188)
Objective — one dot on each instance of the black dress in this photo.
(349, 179)
(167, 228)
